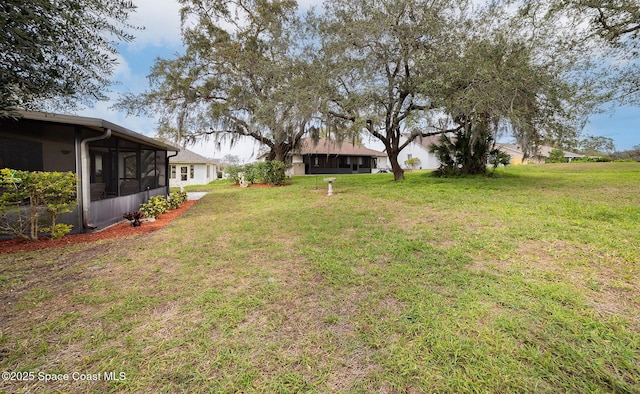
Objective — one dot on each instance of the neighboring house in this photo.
(117, 169)
(330, 157)
(189, 168)
(419, 148)
(517, 156)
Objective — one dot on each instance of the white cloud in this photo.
(161, 22)
(122, 71)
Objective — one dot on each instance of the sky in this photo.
(161, 38)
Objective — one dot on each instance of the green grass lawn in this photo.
(524, 282)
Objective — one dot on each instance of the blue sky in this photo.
(161, 38)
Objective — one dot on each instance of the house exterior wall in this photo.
(103, 212)
(121, 168)
(428, 160)
(382, 163)
(199, 174)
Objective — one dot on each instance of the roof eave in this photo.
(96, 123)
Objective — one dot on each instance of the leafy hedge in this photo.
(270, 172)
(158, 205)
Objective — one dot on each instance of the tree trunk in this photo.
(398, 172)
(33, 218)
(279, 152)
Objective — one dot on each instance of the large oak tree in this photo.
(383, 62)
(241, 75)
(406, 69)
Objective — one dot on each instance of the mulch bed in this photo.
(118, 230)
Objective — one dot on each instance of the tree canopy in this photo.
(384, 63)
(395, 69)
(58, 54)
(241, 75)
(612, 28)
(405, 69)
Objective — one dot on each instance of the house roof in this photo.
(97, 124)
(543, 151)
(332, 147)
(511, 149)
(187, 156)
(426, 142)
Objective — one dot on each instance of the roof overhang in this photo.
(97, 124)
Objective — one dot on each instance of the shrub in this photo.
(556, 156)
(466, 153)
(134, 218)
(176, 199)
(25, 196)
(155, 207)
(595, 159)
(272, 172)
(59, 230)
(233, 171)
(498, 158)
(412, 162)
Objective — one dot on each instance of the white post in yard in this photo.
(330, 181)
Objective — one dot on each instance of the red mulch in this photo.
(118, 230)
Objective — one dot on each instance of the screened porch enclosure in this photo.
(117, 169)
(338, 164)
(121, 168)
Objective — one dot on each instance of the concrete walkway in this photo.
(195, 195)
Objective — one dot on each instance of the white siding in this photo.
(199, 174)
(428, 161)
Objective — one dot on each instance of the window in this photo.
(21, 155)
(183, 173)
(173, 172)
(149, 169)
(192, 171)
(130, 161)
(409, 156)
(208, 171)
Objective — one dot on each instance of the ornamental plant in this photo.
(176, 199)
(155, 207)
(27, 196)
(134, 218)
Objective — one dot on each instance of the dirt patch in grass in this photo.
(119, 230)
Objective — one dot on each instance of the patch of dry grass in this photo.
(427, 285)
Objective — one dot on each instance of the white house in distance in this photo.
(420, 148)
(189, 168)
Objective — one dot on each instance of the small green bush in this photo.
(233, 171)
(176, 199)
(155, 207)
(273, 172)
(25, 196)
(596, 159)
(556, 156)
(58, 231)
